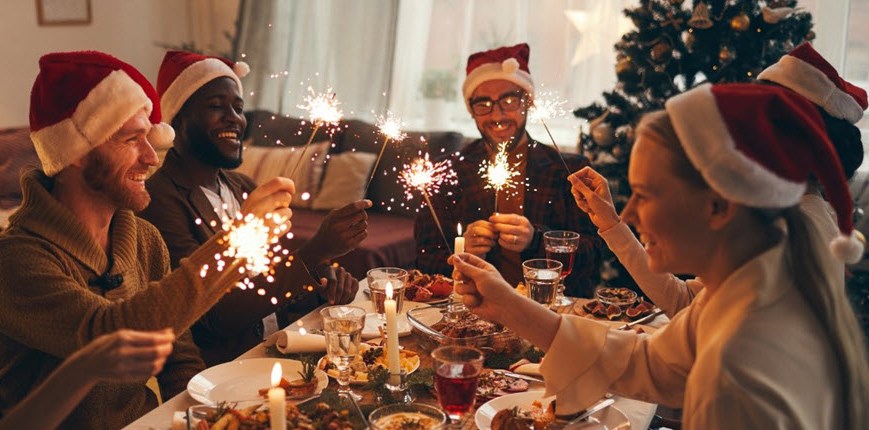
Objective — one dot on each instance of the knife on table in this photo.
(644, 319)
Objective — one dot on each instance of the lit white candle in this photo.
(277, 401)
(392, 360)
(459, 246)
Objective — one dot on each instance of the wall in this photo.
(127, 29)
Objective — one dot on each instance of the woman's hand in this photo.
(483, 289)
(592, 194)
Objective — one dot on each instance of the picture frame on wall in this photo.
(63, 12)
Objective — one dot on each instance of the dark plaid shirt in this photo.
(548, 205)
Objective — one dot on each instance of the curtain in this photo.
(344, 45)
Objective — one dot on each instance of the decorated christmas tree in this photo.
(678, 44)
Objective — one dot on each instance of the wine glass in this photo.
(342, 326)
(377, 280)
(561, 245)
(542, 277)
(456, 371)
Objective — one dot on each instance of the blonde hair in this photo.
(830, 305)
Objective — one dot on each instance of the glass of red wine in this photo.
(561, 245)
(456, 371)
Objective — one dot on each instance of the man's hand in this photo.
(338, 287)
(592, 194)
(273, 197)
(515, 232)
(480, 237)
(126, 355)
(341, 232)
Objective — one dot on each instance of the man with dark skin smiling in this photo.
(196, 188)
(498, 91)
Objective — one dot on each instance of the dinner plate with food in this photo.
(494, 383)
(531, 410)
(368, 359)
(244, 380)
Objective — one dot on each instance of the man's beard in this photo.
(208, 152)
(99, 176)
(514, 140)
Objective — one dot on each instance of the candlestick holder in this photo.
(398, 390)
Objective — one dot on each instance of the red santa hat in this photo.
(183, 73)
(756, 145)
(509, 63)
(807, 73)
(80, 99)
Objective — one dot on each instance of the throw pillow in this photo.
(264, 163)
(346, 176)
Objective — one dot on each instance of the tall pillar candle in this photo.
(277, 401)
(458, 246)
(392, 358)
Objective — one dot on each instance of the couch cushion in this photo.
(386, 190)
(389, 243)
(344, 181)
(17, 152)
(269, 129)
(265, 163)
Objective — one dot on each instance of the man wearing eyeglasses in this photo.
(498, 91)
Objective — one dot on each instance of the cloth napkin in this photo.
(291, 341)
(526, 367)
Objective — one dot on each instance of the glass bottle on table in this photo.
(342, 327)
(457, 369)
(561, 245)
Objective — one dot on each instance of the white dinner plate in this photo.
(609, 418)
(242, 379)
(372, 326)
(325, 359)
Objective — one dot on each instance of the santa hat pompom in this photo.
(241, 69)
(510, 65)
(847, 248)
(161, 136)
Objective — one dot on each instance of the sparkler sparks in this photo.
(499, 172)
(428, 178)
(323, 111)
(390, 127)
(546, 106)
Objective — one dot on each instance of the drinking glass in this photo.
(542, 277)
(342, 326)
(561, 245)
(456, 371)
(377, 280)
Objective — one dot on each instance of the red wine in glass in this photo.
(564, 254)
(456, 395)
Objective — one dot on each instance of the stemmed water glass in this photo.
(457, 369)
(561, 245)
(342, 326)
(377, 280)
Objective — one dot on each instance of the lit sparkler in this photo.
(390, 127)
(546, 106)
(323, 111)
(427, 178)
(499, 172)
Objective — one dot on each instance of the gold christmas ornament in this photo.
(688, 39)
(740, 22)
(724, 55)
(810, 35)
(625, 67)
(773, 16)
(700, 17)
(603, 134)
(661, 52)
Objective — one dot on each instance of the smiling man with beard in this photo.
(76, 263)
(196, 188)
(498, 91)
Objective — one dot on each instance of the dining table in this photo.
(169, 415)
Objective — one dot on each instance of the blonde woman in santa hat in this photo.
(76, 263)
(768, 343)
(804, 71)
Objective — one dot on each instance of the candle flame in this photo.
(388, 290)
(499, 173)
(390, 126)
(459, 229)
(277, 373)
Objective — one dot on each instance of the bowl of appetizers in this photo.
(407, 416)
(454, 324)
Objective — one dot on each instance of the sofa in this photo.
(333, 172)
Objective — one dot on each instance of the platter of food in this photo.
(492, 384)
(530, 410)
(242, 379)
(424, 288)
(370, 358)
(319, 413)
(456, 325)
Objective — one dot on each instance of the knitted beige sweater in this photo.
(48, 311)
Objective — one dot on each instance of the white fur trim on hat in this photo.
(848, 249)
(711, 149)
(189, 81)
(161, 136)
(507, 70)
(103, 112)
(811, 83)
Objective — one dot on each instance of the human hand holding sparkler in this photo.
(480, 238)
(592, 194)
(272, 197)
(515, 232)
(341, 231)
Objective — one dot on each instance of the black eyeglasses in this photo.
(508, 103)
